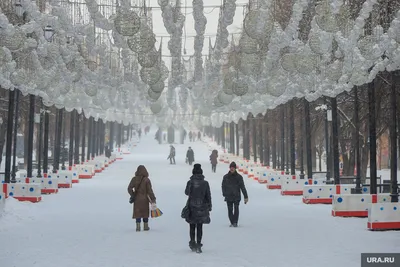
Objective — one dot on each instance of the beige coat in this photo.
(143, 191)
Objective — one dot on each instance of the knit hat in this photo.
(232, 165)
(197, 169)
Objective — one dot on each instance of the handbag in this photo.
(132, 199)
(155, 212)
(185, 214)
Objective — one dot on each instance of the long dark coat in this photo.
(143, 191)
(190, 155)
(200, 205)
(214, 157)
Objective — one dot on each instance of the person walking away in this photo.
(190, 136)
(199, 202)
(171, 156)
(190, 156)
(214, 160)
(199, 136)
(140, 133)
(141, 190)
(107, 152)
(232, 184)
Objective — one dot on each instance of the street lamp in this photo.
(39, 119)
(328, 118)
(48, 33)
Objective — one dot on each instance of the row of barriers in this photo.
(32, 188)
(381, 213)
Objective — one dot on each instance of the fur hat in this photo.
(232, 165)
(197, 169)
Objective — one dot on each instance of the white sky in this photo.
(211, 14)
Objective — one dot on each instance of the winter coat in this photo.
(172, 152)
(190, 155)
(214, 158)
(232, 184)
(200, 205)
(143, 191)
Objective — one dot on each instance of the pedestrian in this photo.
(190, 156)
(190, 136)
(199, 204)
(199, 136)
(142, 195)
(107, 152)
(214, 160)
(232, 184)
(171, 156)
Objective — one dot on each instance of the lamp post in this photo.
(11, 103)
(48, 33)
(328, 118)
(62, 125)
(39, 119)
(16, 116)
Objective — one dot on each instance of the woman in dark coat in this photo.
(214, 160)
(140, 187)
(198, 191)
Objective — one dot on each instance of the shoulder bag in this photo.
(185, 214)
(132, 199)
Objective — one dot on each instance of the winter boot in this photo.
(146, 226)
(137, 227)
(192, 246)
(235, 225)
(198, 248)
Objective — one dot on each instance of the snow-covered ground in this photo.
(90, 224)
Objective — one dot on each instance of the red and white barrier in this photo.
(241, 165)
(64, 178)
(293, 187)
(119, 155)
(48, 186)
(23, 192)
(355, 205)
(263, 176)
(252, 170)
(275, 180)
(98, 165)
(323, 194)
(384, 216)
(113, 158)
(85, 171)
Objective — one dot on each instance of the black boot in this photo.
(192, 246)
(198, 248)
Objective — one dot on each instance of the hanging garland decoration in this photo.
(200, 22)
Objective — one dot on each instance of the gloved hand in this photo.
(246, 200)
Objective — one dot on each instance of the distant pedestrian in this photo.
(214, 160)
(171, 156)
(190, 156)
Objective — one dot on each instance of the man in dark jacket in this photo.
(190, 156)
(232, 184)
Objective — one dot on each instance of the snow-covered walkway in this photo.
(90, 224)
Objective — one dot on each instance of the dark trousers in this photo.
(172, 160)
(214, 167)
(233, 211)
(139, 220)
(196, 228)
